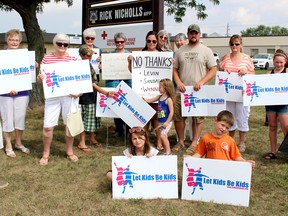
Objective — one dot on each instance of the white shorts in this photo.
(52, 109)
(13, 112)
(241, 115)
(165, 130)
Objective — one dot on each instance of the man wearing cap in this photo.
(196, 66)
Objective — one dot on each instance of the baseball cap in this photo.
(194, 27)
(84, 50)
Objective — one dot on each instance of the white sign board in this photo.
(32, 68)
(102, 109)
(135, 34)
(208, 101)
(267, 89)
(131, 108)
(142, 177)
(219, 181)
(66, 78)
(148, 68)
(233, 84)
(115, 66)
(14, 70)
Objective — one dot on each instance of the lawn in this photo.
(66, 188)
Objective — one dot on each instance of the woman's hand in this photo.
(13, 92)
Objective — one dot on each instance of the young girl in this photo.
(139, 145)
(165, 112)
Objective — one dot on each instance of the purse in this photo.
(74, 121)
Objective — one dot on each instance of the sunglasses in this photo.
(119, 42)
(163, 37)
(152, 41)
(60, 44)
(89, 38)
(235, 44)
(136, 129)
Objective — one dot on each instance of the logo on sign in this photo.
(228, 85)
(252, 89)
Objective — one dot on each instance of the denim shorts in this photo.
(278, 109)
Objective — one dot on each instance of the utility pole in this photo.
(227, 30)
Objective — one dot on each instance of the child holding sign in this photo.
(139, 145)
(165, 111)
(218, 144)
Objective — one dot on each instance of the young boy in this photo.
(217, 144)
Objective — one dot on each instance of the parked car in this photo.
(263, 60)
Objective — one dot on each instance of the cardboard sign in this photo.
(266, 89)
(66, 78)
(142, 177)
(208, 101)
(219, 181)
(102, 109)
(131, 108)
(148, 68)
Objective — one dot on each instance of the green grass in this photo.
(66, 188)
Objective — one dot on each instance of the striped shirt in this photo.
(51, 58)
(245, 64)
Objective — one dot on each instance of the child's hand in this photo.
(148, 155)
(110, 93)
(130, 156)
(164, 125)
(252, 163)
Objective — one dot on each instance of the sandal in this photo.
(22, 148)
(10, 153)
(97, 144)
(72, 157)
(43, 161)
(178, 147)
(86, 150)
(270, 156)
(242, 148)
(191, 149)
(160, 148)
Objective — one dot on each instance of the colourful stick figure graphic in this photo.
(190, 178)
(128, 178)
(102, 103)
(189, 101)
(120, 180)
(252, 89)
(198, 176)
(52, 79)
(119, 97)
(225, 83)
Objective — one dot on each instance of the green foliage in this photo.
(178, 8)
(263, 30)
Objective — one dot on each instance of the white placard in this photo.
(1, 136)
(148, 68)
(233, 84)
(131, 108)
(32, 68)
(14, 70)
(219, 181)
(142, 177)
(266, 89)
(208, 101)
(66, 78)
(115, 66)
(102, 109)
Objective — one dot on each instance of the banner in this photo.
(14, 70)
(219, 181)
(131, 108)
(208, 101)
(115, 66)
(66, 78)
(266, 89)
(102, 109)
(140, 177)
(233, 84)
(148, 68)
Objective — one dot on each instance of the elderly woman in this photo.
(164, 41)
(53, 106)
(13, 106)
(180, 40)
(119, 40)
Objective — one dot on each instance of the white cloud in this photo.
(245, 16)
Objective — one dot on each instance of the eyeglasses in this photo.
(60, 44)
(136, 129)
(119, 42)
(163, 37)
(152, 41)
(13, 40)
(89, 38)
(235, 44)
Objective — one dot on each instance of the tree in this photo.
(263, 30)
(178, 8)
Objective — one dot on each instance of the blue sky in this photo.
(238, 15)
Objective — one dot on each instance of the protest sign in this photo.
(131, 108)
(102, 109)
(208, 101)
(148, 68)
(142, 177)
(219, 181)
(66, 78)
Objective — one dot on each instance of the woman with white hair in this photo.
(164, 41)
(53, 106)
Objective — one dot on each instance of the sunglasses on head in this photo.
(136, 129)
(163, 37)
(89, 38)
(235, 44)
(152, 41)
(60, 44)
(119, 42)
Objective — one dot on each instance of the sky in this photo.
(231, 16)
